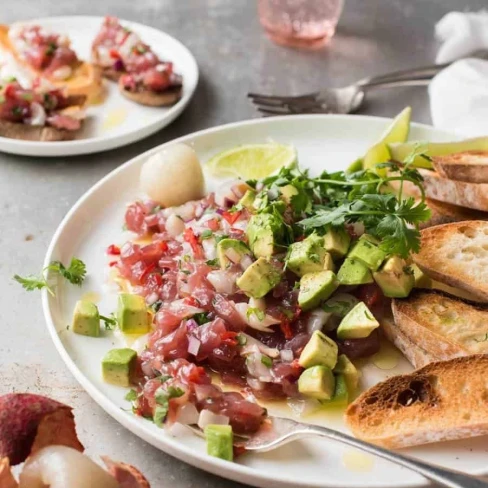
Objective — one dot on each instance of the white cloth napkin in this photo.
(459, 93)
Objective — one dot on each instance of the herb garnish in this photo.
(162, 398)
(257, 312)
(109, 322)
(75, 273)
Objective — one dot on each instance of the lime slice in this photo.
(396, 132)
(400, 151)
(252, 161)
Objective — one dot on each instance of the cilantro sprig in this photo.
(74, 273)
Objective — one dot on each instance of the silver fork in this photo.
(279, 431)
(347, 99)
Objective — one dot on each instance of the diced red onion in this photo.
(253, 345)
(219, 211)
(209, 248)
(118, 65)
(174, 225)
(287, 355)
(257, 369)
(223, 281)
(253, 321)
(193, 345)
(316, 320)
(233, 255)
(207, 417)
(152, 298)
(246, 261)
(187, 414)
(191, 325)
(255, 384)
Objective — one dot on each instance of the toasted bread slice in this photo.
(442, 325)
(86, 78)
(151, 98)
(456, 254)
(26, 132)
(444, 213)
(416, 356)
(442, 401)
(461, 193)
(470, 166)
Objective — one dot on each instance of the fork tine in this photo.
(275, 111)
(281, 99)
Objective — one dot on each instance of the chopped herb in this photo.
(162, 398)
(288, 313)
(185, 271)
(131, 395)
(28, 97)
(164, 378)
(206, 234)
(337, 308)
(156, 306)
(187, 258)
(241, 340)
(218, 238)
(51, 48)
(267, 361)
(74, 273)
(109, 322)
(17, 111)
(201, 318)
(212, 262)
(160, 413)
(11, 79)
(260, 315)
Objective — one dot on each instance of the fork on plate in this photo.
(279, 431)
(349, 98)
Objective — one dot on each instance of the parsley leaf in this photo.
(109, 322)
(267, 361)
(33, 282)
(162, 397)
(201, 318)
(131, 395)
(206, 234)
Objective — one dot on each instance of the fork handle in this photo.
(442, 476)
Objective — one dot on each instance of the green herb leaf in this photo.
(206, 234)
(257, 312)
(267, 361)
(109, 322)
(201, 318)
(32, 282)
(212, 262)
(75, 273)
(131, 395)
(241, 340)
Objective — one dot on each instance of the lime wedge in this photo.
(252, 161)
(396, 132)
(400, 151)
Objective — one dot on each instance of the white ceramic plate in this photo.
(117, 121)
(323, 142)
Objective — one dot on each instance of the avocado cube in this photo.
(259, 278)
(86, 319)
(231, 247)
(118, 366)
(320, 350)
(340, 398)
(264, 232)
(132, 314)
(315, 288)
(395, 278)
(220, 441)
(351, 375)
(369, 238)
(307, 256)
(336, 242)
(288, 192)
(328, 262)
(358, 323)
(367, 253)
(421, 279)
(317, 382)
(354, 272)
(247, 200)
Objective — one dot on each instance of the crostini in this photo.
(39, 115)
(49, 55)
(142, 76)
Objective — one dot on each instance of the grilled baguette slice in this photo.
(470, 166)
(440, 324)
(416, 356)
(444, 213)
(442, 401)
(456, 254)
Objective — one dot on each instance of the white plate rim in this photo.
(232, 471)
(104, 143)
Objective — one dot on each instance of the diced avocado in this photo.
(317, 382)
(354, 272)
(340, 398)
(395, 278)
(132, 315)
(248, 199)
(336, 242)
(355, 166)
(307, 256)
(328, 262)
(264, 232)
(315, 288)
(118, 366)
(368, 253)
(220, 441)
(345, 367)
(358, 323)
(421, 279)
(233, 246)
(287, 192)
(86, 319)
(369, 238)
(320, 350)
(340, 304)
(259, 278)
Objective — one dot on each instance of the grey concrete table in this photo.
(234, 57)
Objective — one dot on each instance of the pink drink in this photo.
(300, 23)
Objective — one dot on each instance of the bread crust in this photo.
(469, 166)
(455, 254)
(442, 401)
(151, 98)
(26, 132)
(444, 213)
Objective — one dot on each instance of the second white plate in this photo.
(116, 121)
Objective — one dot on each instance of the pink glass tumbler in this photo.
(300, 23)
